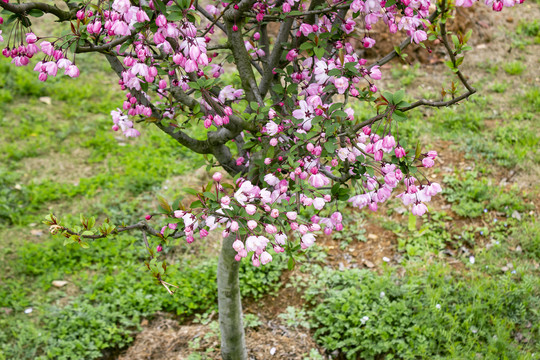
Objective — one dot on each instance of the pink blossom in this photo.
(292, 54)
(252, 224)
(270, 229)
(419, 209)
(318, 180)
(368, 42)
(308, 239)
(238, 245)
(306, 29)
(122, 6)
(31, 38)
(291, 215)
(251, 209)
(318, 203)
(271, 128)
(341, 84)
(72, 71)
(286, 7)
(375, 73)
(271, 179)
(400, 152)
(418, 36)
(265, 258)
(428, 162)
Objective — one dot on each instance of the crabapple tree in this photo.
(281, 122)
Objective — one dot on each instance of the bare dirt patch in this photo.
(164, 339)
(62, 167)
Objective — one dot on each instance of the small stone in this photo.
(400, 210)
(28, 311)
(372, 237)
(59, 283)
(144, 322)
(273, 351)
(518, 249)
(385, 259)
(369, 264)
(516, 215)
(45, 100)
(504, 269)
(36, 232)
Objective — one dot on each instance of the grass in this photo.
(514, 67)
(64, 158)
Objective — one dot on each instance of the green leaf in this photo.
(388, 96)
(84, 244)
(36, 13)
(190, 191)
(290, 263)
(161, 6)
(319, 52)
(196, 204)
(306, 45)
(69, 240)
(398, 96)
(210, 195)
(418, 150)
(334, 72)
(330, 147)
(412, 222)
(399, 115)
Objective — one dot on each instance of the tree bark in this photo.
(233, 346)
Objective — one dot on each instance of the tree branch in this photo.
(243, 63)
(24, 8)
(198, 146)
(105, 47)
(275, 56)
(388, 57)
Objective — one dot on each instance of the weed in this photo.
(514, 67)
(252, 321)
(294, 317)
(427, 314)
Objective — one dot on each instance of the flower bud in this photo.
(217, 177)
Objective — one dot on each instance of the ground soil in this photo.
(164, 338)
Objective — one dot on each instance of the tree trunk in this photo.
(231, 324)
